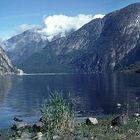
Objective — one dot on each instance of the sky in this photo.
(19, 15)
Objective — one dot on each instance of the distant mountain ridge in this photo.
(23, 45)
(102, 45)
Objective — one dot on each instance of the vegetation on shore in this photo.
(59, 123)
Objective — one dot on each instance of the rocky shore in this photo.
(109, 128)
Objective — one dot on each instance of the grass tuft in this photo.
(57, 115)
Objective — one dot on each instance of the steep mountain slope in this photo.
(131, 58)
(6, 66)
(22, 46)
(58, 54)
(99, 46)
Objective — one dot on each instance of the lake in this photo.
(95, 94)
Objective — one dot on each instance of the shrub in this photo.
(57, 115)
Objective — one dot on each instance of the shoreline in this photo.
(102, 128)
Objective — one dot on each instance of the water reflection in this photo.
(5, 85)
(99, 94)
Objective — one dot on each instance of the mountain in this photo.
(101, 45)
(6, 67)
(55, 57)
(131, 62)
(23, 45)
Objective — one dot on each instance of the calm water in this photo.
(96, 94)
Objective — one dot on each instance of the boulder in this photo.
(26, 136)
(19, 125)
(120, 120)
(39, 136)
(17, 119)
(136, 115)
(119, 105)
(92, 121)
(37, 127)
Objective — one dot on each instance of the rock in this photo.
(26, 136)
(19, 125)
(136, 115)
(39, 136)
(18, 133)
(17, 119)
(56, 137)
(6, 66)
(91, 120)
(20, 72)
(41, 119)
(37, 127)
(120, 120)
(119, 105)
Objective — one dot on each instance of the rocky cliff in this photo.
(6, 67)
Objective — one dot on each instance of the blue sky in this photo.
(14, 13)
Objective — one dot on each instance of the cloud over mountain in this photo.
(57, 25)
(61, 24)
(24, 27)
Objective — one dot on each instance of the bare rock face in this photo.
(6, 67)
(120, 120)
(23, 45)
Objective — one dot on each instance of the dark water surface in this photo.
(97, 94)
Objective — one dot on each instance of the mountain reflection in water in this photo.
(95, 94)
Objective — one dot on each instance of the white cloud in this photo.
(56, 25)
(61, 24)
(98, 16)
(23, 27)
